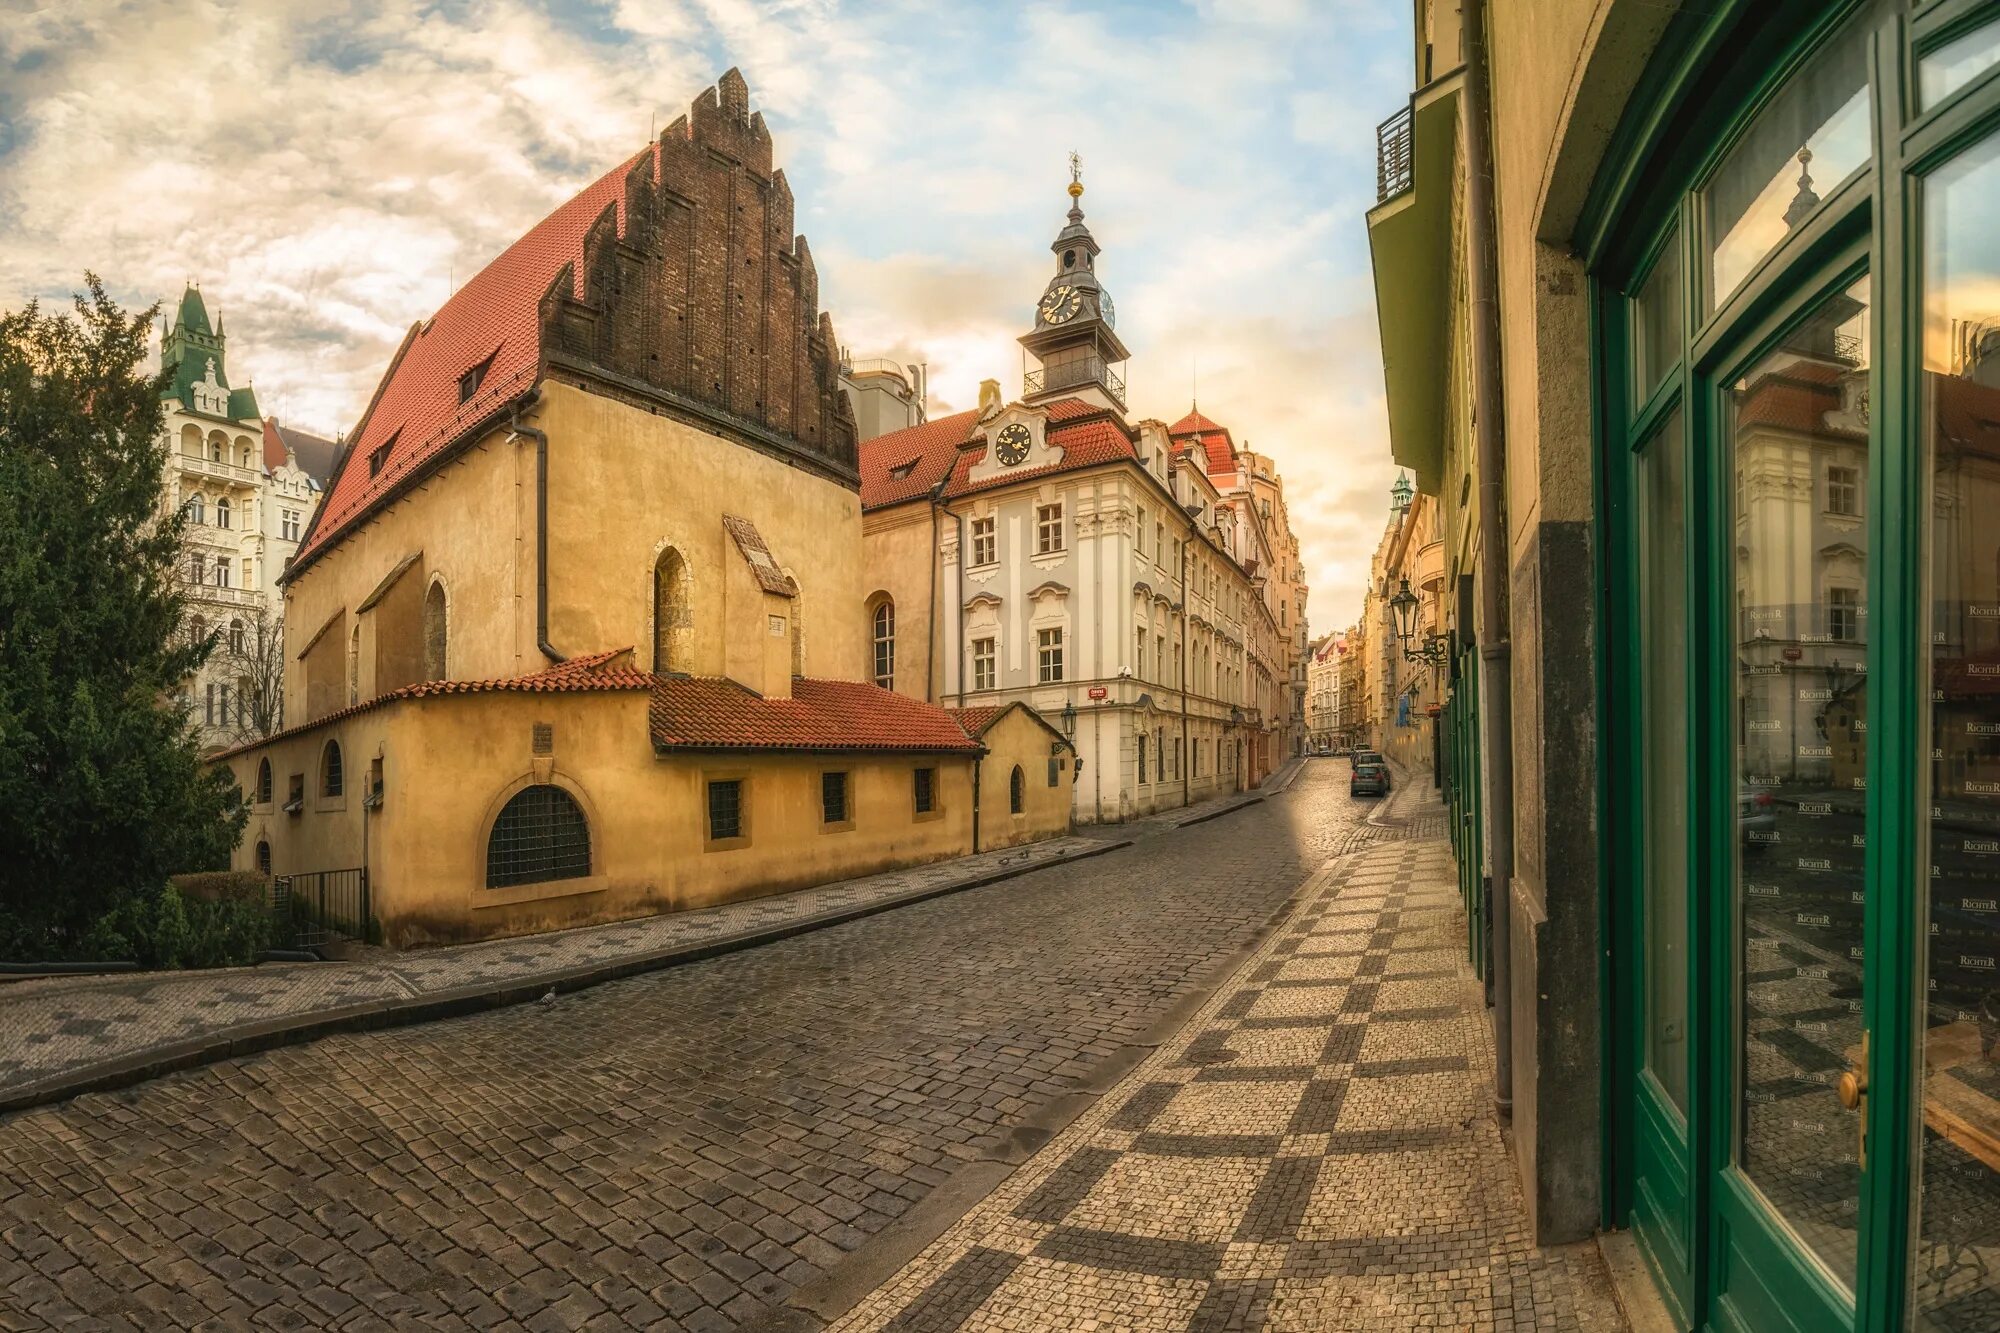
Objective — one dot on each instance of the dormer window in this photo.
(902, 471)
(468, 383)
(378, 460)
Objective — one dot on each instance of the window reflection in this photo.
(1799, 421)
(1955, 64)
(1798, 150)
(1956, 1277)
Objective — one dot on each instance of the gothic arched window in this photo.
(222, 512)
(1017, 787)
(673, 618)
(434, 632)
(883, 634)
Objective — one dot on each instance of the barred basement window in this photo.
(725, 809)
(833, 798)
(539, 835)
(926, 790)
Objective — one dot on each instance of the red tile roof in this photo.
(704, 713)
(977, 720)
(611, 670)
(945, 448)
(1194, 428)
(494, 318)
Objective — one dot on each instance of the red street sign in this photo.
(1794, 654)
(1099, 692)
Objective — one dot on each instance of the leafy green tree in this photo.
(102, 790)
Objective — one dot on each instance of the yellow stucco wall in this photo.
(899, 556)
(450, 763)
(1017, 739)
(624, 484)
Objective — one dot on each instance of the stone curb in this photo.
(295, 1029)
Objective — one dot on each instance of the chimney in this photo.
(989, 398)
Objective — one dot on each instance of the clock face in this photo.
(1012, 446)
(1060, 304)
(1104, 306)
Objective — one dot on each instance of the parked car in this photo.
(1369, 780)
(1356, 758)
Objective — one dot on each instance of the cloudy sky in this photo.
(326, 171)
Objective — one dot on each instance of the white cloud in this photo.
(328, 178)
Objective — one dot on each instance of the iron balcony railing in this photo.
(1395, 156)
(1076, 374)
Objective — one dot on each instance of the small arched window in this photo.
(263, 858)
(673, 618)
(236, 637)
(1017, 787)
(263, 796)
(199, 629)
(215, 448)
(884, 634)
(222, 512)
(354, 666)
(197, 567)
(539, 835)
(197, 512)
(331, 782)
(434, 632)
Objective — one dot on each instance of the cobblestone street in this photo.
(688, 1148)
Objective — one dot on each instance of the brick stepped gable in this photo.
(706, 296)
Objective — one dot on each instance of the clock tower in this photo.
(1074, 341)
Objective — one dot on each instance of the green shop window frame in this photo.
(1661, 1179)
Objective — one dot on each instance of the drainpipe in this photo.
(978, 766)
(515, 431)
(1491, 445)
(958, 612)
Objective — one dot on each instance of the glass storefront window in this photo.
(1801, 713)
(1957, 63)
(1663, 615)
(1955, 1277)
(1656, 324)
(1812, 136)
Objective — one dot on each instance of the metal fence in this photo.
(324, 905)
(1395, 156)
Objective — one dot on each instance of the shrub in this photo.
(168, 930)
(214, 886)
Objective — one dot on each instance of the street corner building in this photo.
(577, 633)
(1136, 582)
(1690, 321)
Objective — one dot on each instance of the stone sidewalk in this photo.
(1316, 1149)
(62, 1036)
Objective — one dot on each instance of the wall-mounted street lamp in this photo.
(1069, 718)
(1405, 606)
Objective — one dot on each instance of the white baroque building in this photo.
(249, 488)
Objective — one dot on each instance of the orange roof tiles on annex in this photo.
(1087, 435)
(494, 320)
(707, 713)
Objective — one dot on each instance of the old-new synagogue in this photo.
(579, 631)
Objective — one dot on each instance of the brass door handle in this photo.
(1853, 1092)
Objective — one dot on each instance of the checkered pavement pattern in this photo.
(1315, 1150)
